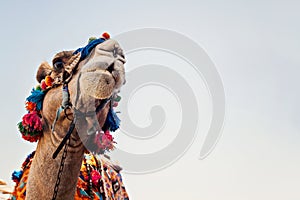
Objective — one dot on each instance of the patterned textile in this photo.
(99, 179)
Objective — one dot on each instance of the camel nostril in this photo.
(110, 68)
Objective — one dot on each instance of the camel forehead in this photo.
(108, 51)
(109, 45)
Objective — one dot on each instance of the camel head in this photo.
(93, 76)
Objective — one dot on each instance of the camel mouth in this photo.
(100, 104)
(98, 65)
(101, 79)
(96, 125)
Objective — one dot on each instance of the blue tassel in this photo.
(37, 96)
(16, 175)
(112, 120)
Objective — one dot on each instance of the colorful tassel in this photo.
(31, 127)
(16, 176)
(112, 121)
(106, 35)
(32, 121)
(104, 141)
(30, 106)
(48, 81)
(31, 124)
(37, 96)
(96, 176)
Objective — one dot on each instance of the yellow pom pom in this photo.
(48, 81)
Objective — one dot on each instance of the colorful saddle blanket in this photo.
(99, 179)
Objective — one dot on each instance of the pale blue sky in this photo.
(255, 46)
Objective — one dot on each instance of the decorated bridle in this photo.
(31, 124)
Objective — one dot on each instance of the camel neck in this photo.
(44, 169)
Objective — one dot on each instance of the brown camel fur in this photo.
(97, 77)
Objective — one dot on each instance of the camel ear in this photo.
(44, 70)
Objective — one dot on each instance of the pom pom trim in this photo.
(31, 125)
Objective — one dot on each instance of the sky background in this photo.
(254, 45)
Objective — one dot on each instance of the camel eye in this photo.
(58, 65)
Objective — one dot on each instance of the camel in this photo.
(80, 88)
